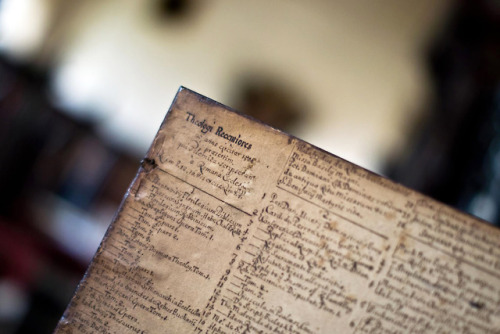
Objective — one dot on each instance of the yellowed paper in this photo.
(234, 227)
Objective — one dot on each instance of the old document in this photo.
(231, 226)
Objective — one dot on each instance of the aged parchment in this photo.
(231, 226)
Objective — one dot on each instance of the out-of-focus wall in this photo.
(353, 68)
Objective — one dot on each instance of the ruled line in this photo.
(287, 160)
(253, 236)
(131, 216)
(136, 210)
(203, 191)
(472, 264)
(336, 214)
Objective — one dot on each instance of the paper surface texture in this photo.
(231, 226)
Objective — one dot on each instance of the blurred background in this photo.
(408, 89)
